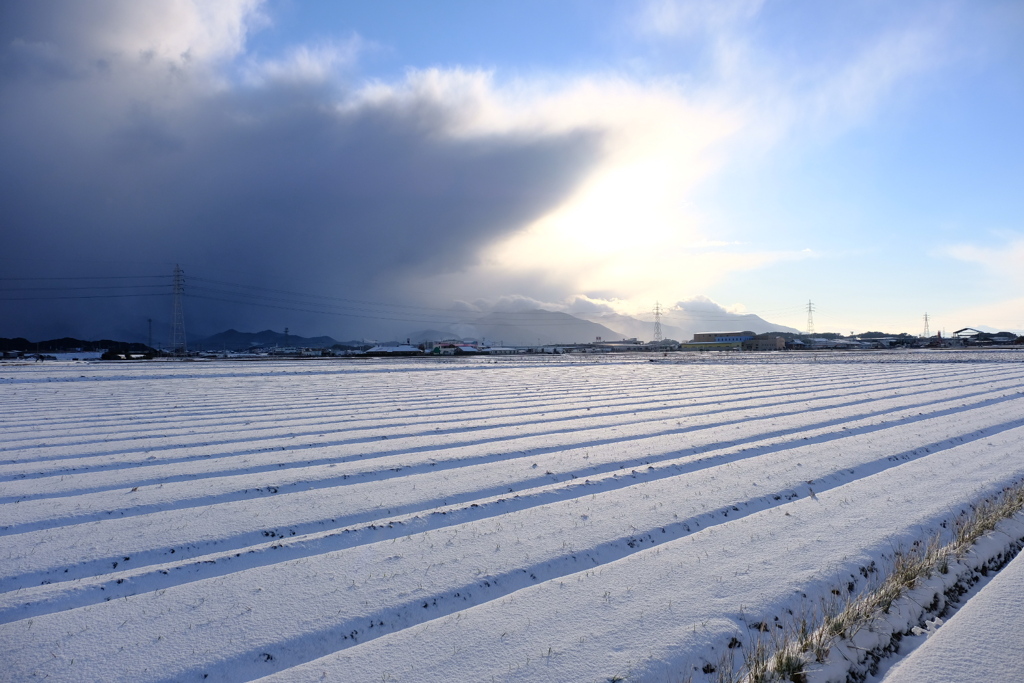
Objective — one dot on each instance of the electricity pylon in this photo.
(179, 347)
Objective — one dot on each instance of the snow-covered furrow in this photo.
(464, 476)
(684, 503)
(264, 416)
(593, 623)
(483, 409)
(377, 388)
(430, 447)
(270, 413)
(859, 450)
(432, 453)
(668, 611)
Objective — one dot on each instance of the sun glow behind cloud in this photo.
(631, 228)
(634, 228)
(629, 223)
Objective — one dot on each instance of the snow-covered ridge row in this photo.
(433, 446)
(563, 461)
(438, 438)
(231, 524)
(359, 546)
(217, 406)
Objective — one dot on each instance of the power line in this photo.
(321, 304)
(349, 313)
(86, 277)
(325, 308)
(87, 287)
(324, 297)
(81, 296)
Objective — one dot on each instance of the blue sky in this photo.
(863, 155)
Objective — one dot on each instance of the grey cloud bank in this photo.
(125, 164)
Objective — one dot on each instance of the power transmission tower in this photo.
(178, 345)
(927, 332)
(657, 322)
(810, 317)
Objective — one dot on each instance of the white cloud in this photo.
(697, 304)
(511, 304)
(841, 99)
(630, 227)
(588, 306)
(692, 17)
(516, 303)
(180, 32)
(1003, 263)
(321, 62)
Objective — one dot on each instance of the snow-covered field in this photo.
(545, 519)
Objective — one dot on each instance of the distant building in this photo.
(972, 337)
(764, 342)
(723, 337)
(717, 341)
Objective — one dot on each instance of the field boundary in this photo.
(849, 638)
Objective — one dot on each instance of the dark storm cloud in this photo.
(126, 167)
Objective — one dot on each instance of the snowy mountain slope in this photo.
(233, 340)
(531, 328)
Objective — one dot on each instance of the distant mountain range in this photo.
(233, 340)
(518, 328)
(70, 344)
(685, 324)
(523, 328)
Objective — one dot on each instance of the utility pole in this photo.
(927, 332)
(657, 322)
(179, 347)
(810, 318)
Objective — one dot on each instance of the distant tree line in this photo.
(70, 344)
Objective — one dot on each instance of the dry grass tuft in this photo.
(786, 655)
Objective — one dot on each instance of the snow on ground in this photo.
(983, 641)
(519, 519)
